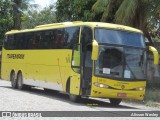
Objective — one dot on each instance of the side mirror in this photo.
(156, 62)
(95, 50)
(155, 54)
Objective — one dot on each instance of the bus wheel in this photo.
(20, 85)
(73, 98)
(13, 80)
(115, 101)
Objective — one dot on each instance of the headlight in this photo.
(101, 85)
(140, 88)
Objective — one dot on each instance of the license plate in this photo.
(122, 95)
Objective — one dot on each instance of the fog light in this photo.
(101, 85)
(140, 88)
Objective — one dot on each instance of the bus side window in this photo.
(49, 39)
(22, 44)
(53, 39)
(28, 40)
(12, 43)
(59, 39)
(86, 37)
(5, 42)
(19, 41)
(9, 42)
(71, 36)
(42, 40)
(25, 41)
(45, 39)
(37, 37)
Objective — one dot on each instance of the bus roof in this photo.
(76, 23)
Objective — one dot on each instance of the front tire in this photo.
(73, 98)
(13, 80)
(115, 101)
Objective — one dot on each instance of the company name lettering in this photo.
(15, 56)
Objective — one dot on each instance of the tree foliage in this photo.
(33, 17)
(74, 10)
(19, 7)
(141, 14)
(11, 12)
(6, 20)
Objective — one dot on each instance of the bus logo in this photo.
(122, 87)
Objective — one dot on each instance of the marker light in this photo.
(140, 88)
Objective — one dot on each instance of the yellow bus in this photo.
(83, 59)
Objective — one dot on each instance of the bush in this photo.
(152, 95)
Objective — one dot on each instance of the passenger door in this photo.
(86, 62)
(75, 80)
(80, 82)
(87, 71)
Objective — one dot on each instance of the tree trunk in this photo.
(140, 23)
(17, 14)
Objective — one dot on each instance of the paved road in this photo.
(37, 99)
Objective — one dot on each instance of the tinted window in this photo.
(28, 40)
(19, 38)
(71, 36)
(119, 37)
(59, 38)
(9, 42)
(46, 41)
(53, 39)
(86, 37)
(49, 39)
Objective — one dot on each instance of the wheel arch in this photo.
(19, 71)
(68, 85)
(12, 71)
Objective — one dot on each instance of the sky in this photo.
(44, 3)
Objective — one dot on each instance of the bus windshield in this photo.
(119, 37)
(121, 62)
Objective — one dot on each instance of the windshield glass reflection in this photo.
(119, 37)
(121, 62)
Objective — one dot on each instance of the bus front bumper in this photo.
(123, 94)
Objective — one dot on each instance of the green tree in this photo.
(17, 14)
(11, 12)
(33, 17)
(19, 8)
(6, 20)
(74, 10)
(141, 14)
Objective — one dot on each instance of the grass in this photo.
(152, 104)
(152, 97)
